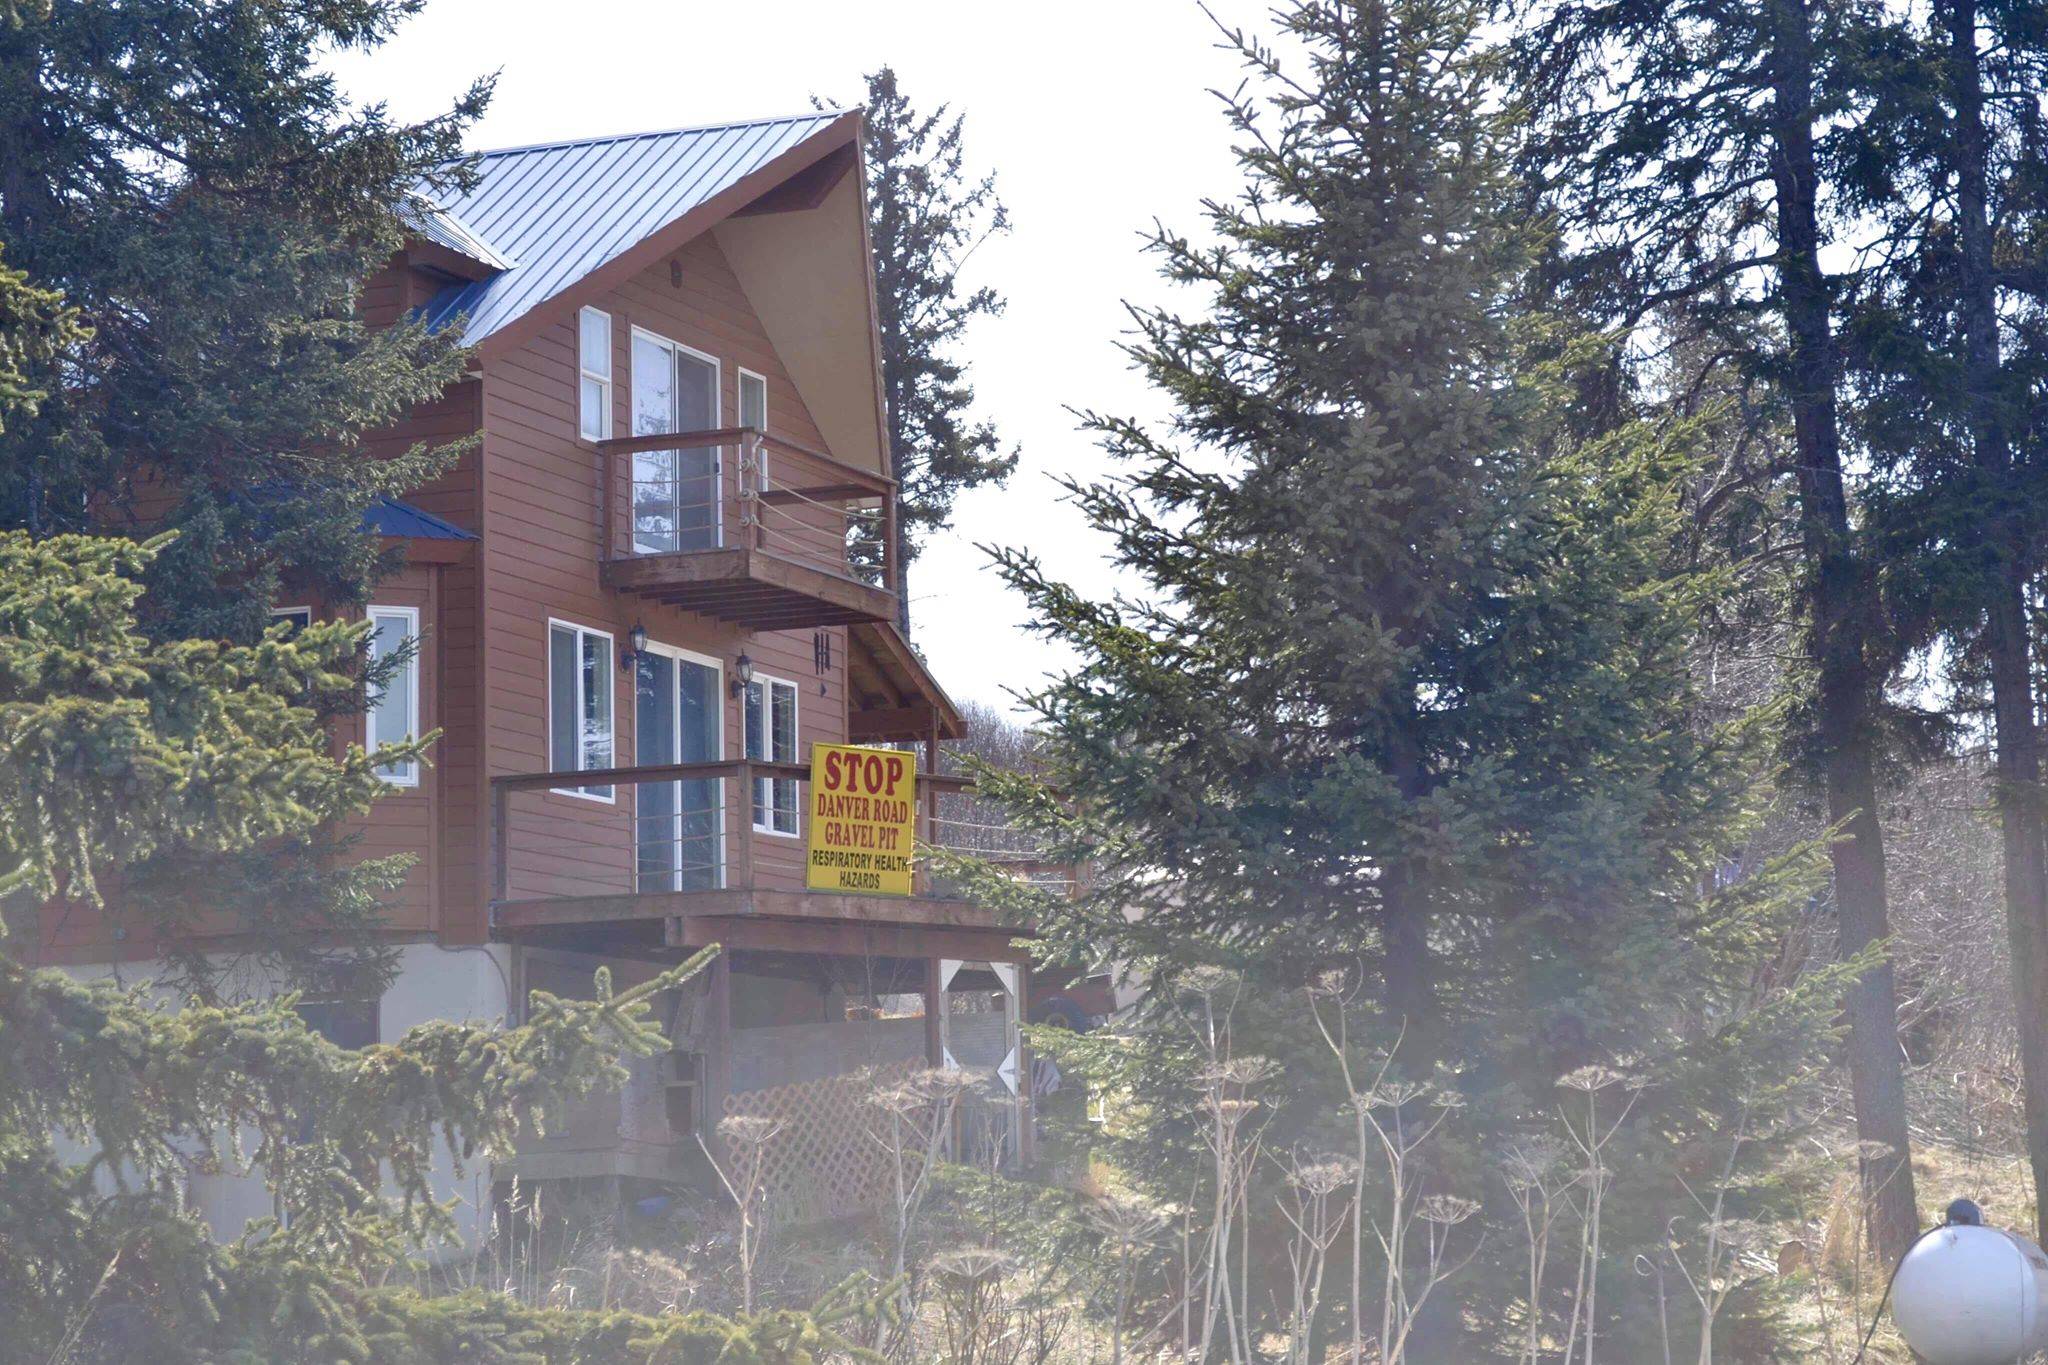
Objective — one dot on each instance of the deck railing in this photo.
(740, 488)
(682, 827)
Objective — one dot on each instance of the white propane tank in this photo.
(1969, 1295)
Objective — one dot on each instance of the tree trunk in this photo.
(1839, 596)
(1409, 966)
(2017, 738)
(902, 593)
(899, 560)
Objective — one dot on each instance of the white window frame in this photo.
(717, 667)
(768, 683)
(292, 614)
(407, 774)
(603, 380)
(710, 661)
(604, 796)
(739, 394)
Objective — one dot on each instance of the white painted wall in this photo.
(466, 985)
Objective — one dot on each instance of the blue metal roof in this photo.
(388, 516)
(438, 225)
(561, 210)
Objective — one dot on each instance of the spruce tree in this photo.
(1403, 680)
(113, 747)
(1696, 155)
(1361, 695)
(926, 216)
(1947, 355)
(35, 329)
(211, 204)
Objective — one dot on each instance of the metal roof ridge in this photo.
(721, 126)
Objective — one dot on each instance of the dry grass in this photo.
(686, 1259)
(1838, 1281)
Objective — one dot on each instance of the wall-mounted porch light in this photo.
(636, 645)
(742, 674)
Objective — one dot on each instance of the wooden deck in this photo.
(784, 921)
(778, 514)
(754, 589)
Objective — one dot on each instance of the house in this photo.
(635, 614)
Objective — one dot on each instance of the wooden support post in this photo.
(934, 1015)
(1027, 1143)
(892, 558)
(739, 837)
(752, 482)
(931, 789)
(501, 842)
(717, 1049)
(945, 1013)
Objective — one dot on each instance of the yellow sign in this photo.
(863, 819)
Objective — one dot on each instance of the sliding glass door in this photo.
(675, 492)
(677, 720)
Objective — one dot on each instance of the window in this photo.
(594, 360)
(349, 1023)
(298, 618)
(678, 497)
(754, 410)
(394, 715)
(579, 704)
(753, 401)
(771, 737)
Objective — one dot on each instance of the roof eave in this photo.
(910, 674)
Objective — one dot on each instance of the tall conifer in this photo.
(1404, 660)
(1696, 154)
(1948, 357)
(211, 204)
(926, 216)
(1403, 678)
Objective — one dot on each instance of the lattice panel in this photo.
(824, 1162)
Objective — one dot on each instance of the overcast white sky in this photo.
(1096, 118)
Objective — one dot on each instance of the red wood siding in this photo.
(406, 819)
(530, 489)
(457, 645)
(541, 526)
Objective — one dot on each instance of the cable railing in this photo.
(732, 824)
(740, 488)
(1002, 846)
(692, 827)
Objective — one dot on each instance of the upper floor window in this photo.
(754, 410)
(579, 704)
(298, 618)
(594, 362)
(394, 713)
(753, 401)
(771, 738)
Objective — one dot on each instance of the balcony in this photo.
(746, 527)
(629, 868)
(687, 854)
